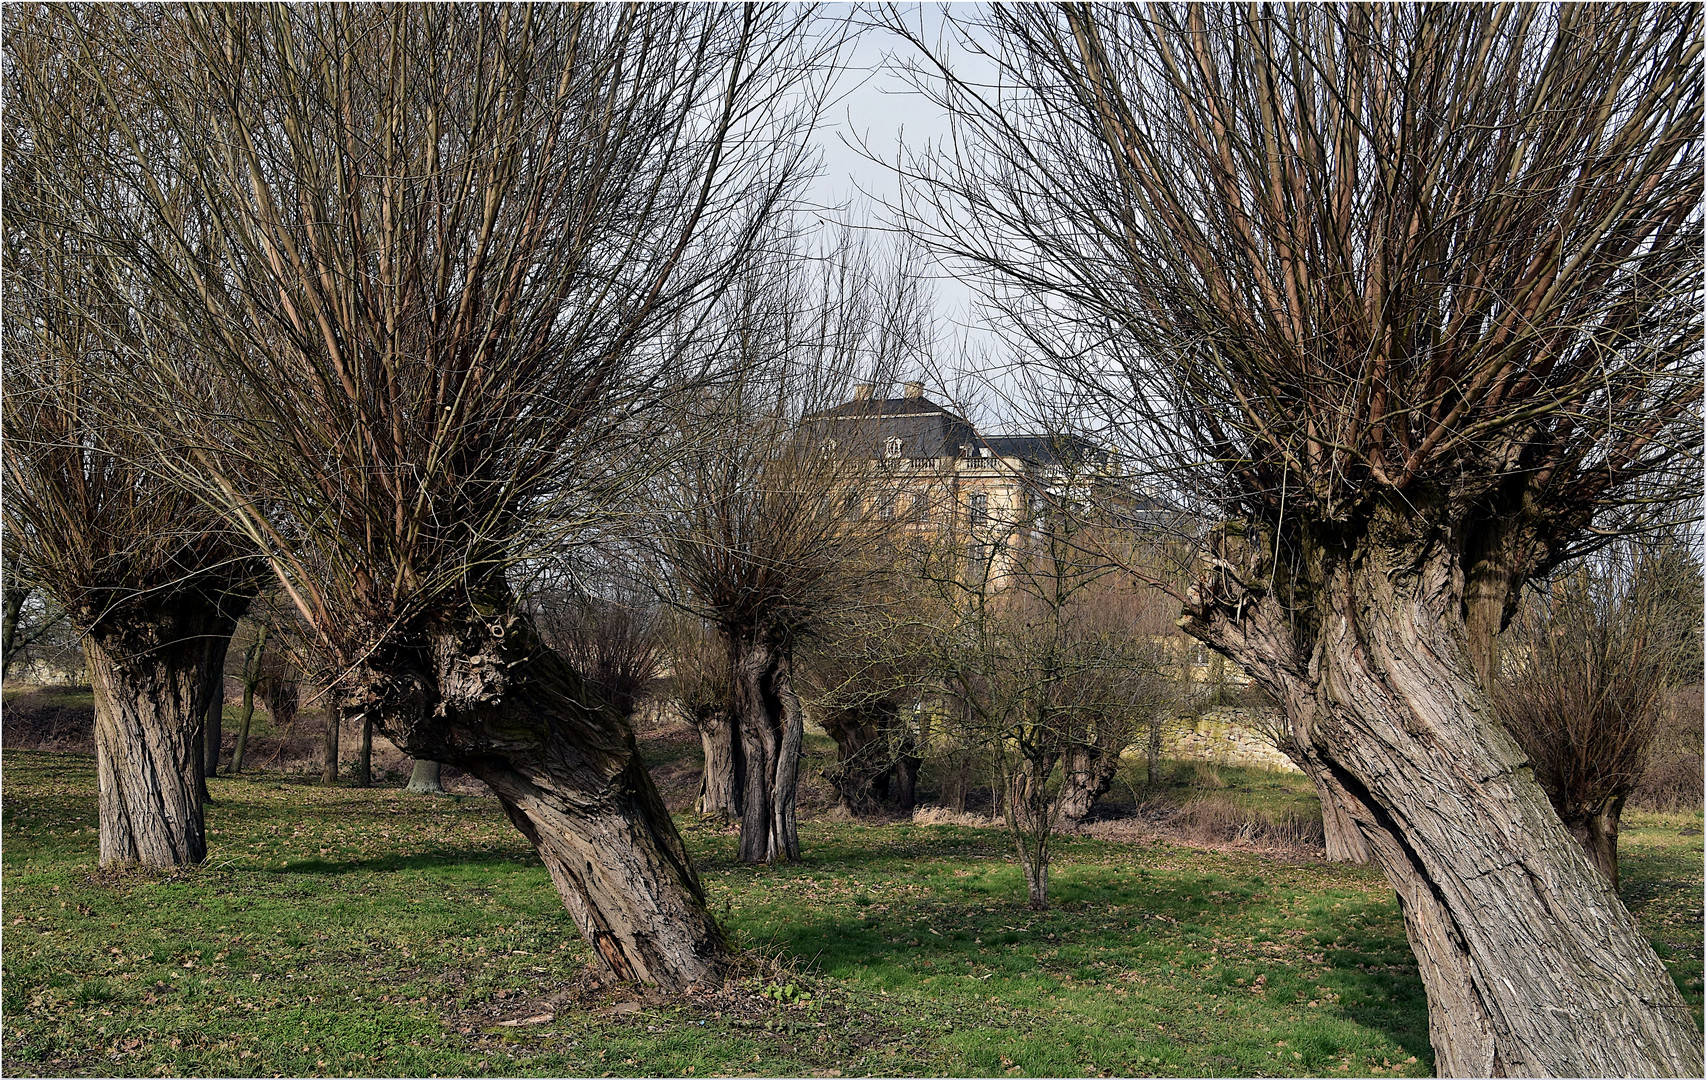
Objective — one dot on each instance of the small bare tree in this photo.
(769, 528)
(699, 686)
(1032, 637)
(1586, 679)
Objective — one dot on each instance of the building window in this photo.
(891, 448)
(852, 504)
(977, 561)
(886, 509)
(980, 509)
(920, 508)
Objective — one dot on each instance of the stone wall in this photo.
(1226, 736)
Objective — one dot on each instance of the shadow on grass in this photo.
(1012, 950)
(441, 859)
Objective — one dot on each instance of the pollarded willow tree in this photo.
(151, 582)
(430, 254)
(769, 529)
(1407, 298)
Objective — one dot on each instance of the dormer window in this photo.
(891, 448)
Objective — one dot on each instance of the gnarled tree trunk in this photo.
(875, 756)
(1596, 830)
(772, 732)
(1088, 773)
(154, 671)
(1532, 965)
(1343, 839)
(722, 778)
(485, 694)
(903, 781)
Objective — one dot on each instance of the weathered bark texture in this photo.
(1089, 772)
(722, 779)
(485, 694)
(1597, 833)
(1343, 839)
(154, 671)
(424, 778)
(772, 731)
(1531, 964)
(329, 748)
(876, 756)
(198, 747)
(364, 758)
(213, 733)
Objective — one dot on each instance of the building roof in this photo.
(1052, 450)
(925, 428)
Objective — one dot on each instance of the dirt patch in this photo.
(773, 1003)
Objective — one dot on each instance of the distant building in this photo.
(932, 468)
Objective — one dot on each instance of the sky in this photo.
(875, 111)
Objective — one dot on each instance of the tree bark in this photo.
(153, 672)
(13, 609)
(1596, 831)
(1030, 821)
(251, 676)
(198, 748)
(905, 787)
(1531, 964)
(245, 719)
(771, 734)
(424, 778)
(364, 760)
(861, 754)
(875, 756)
(721, 779)
(1088, 774)
(329, 748)
(483, 693)
(1338, 829)
(214, 729)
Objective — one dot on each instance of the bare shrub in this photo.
(1588, 683)
(1217, 819)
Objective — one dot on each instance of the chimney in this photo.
(914, 391)
(862, 392)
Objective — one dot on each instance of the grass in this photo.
(341, 931)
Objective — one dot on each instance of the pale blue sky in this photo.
(875, 110)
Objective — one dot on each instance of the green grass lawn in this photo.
(343, 931)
